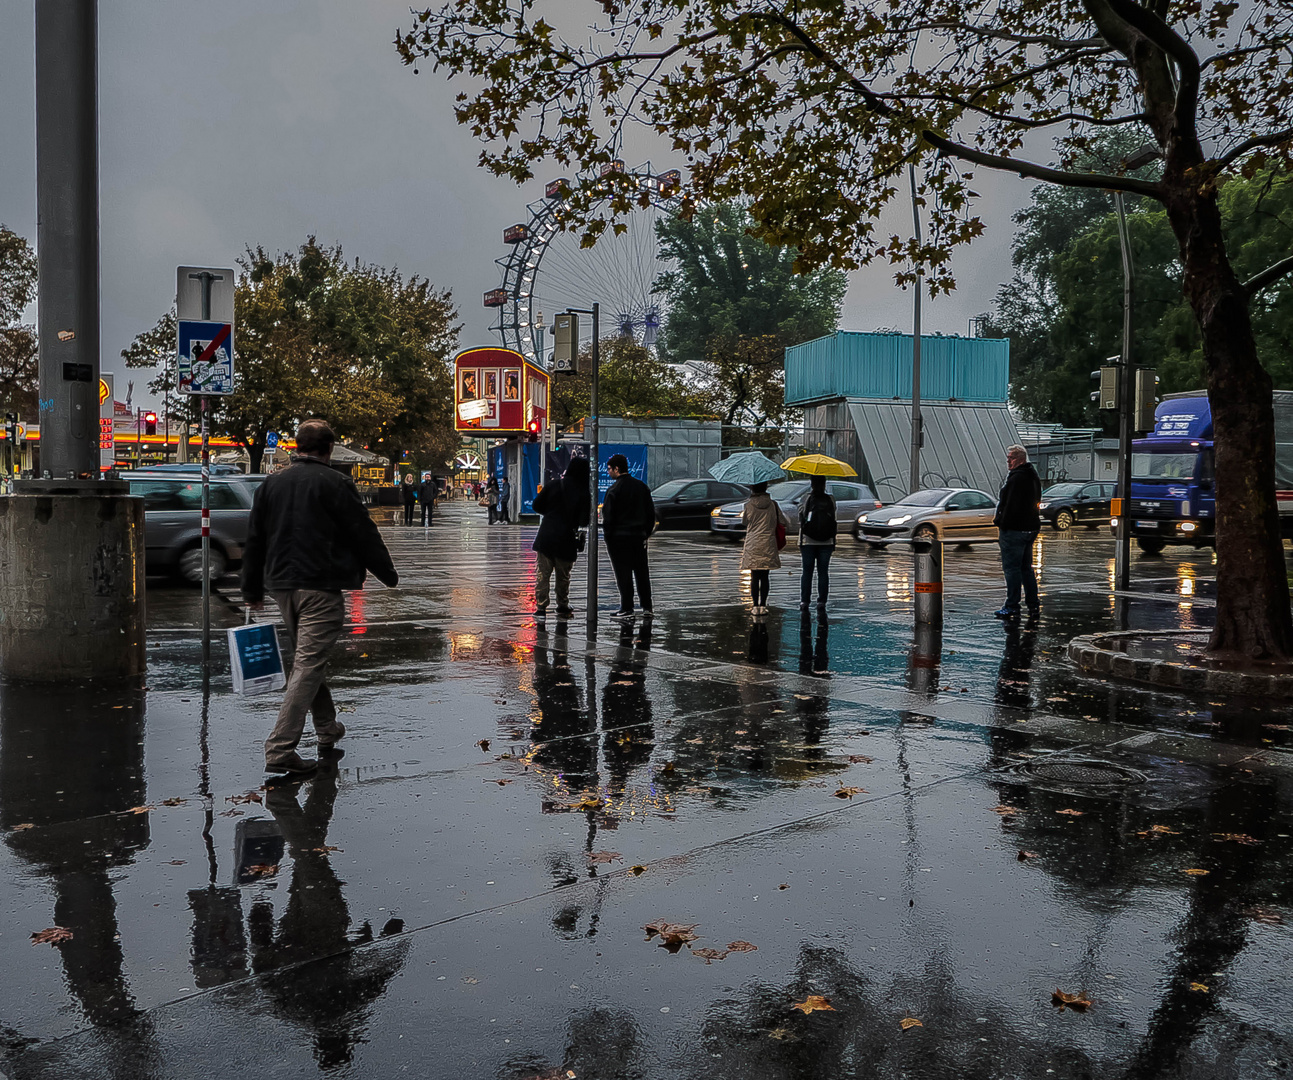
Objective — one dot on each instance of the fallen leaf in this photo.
(1201, 987)
(587, 802)
(804, 697)
(263, 869)
(1072, 1001)
(668, 767)
(23, 827)
(784, 885)
(1276, 727)
(174, 802)
(54, 935)
(1266, 915)
(909, 1022)
(604, 857)
(849, 792)
(637, 871)
(326, 848)
(1194, 871)
(1071, 813)
(814, 1002)
(673, 936)
(1024, 856)
(231, 813)
(693, 742)
(783, 1034)
(500, 783)
(710, 955)
(246, 797)
(178, 862)
(741, 946)
(860, 759)
(1234, 838)
(1004, 810)
(483, 744)
(140, 810)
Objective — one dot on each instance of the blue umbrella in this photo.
(747, 467)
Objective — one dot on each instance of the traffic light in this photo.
(1107, 396)
(535, 428)
(11, 427)
(150, 423)
(565, 344)
(1146, 399)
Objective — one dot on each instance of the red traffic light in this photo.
(535, 427)
(150, 423)
(150, 417)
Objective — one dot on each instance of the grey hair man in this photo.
(1018, 523)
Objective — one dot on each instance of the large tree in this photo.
(316, 335)
(736, 303)
(19, 376)
(632, 381)
(814, 108)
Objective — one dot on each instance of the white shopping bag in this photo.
(255, 659)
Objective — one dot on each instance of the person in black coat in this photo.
(491, 497)
(427, 492)
(408, 495)
(564, 506)
(628, 520)
(1018, 522)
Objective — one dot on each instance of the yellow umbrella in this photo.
(818, 465)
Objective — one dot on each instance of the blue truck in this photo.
(1172, 473)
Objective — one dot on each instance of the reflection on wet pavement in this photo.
(946, 826)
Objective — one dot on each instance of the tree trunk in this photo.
(1253, 619)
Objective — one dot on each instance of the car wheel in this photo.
(924, 532)
(1063, 521)
(190, 564)
(1150, 546)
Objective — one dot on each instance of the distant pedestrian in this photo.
(563, 505)
(817, 529)
(628, 519)
(308, 538)
(491, 499)
(760, 555)
(1018, 523)
(408, 495)
(505, 500)
(427, 492)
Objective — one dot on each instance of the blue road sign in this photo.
(271, 440)
(205, 357)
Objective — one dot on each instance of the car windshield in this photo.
(1145, 466)
(1061, 491)
(788, 490)
(670, 489)
(930, 497)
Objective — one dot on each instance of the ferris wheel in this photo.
(546, 271)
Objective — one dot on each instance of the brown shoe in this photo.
(328, 739)
(293, 763)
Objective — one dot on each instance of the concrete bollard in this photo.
(929, 581)
(72, 599)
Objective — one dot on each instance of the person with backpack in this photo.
(563, 506)
(817, 529)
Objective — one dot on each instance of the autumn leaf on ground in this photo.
(1276, 727)
(483, 744)
(693, 742)
(1200, 987)
(1071, 1001)
(1159, 830)
(587, 802)
(500, 783)
(673, 936)
(668, 767)
(263, 869)
(140, 810)
(1024, 856)
(1234, 838)
(54, 935)
(814, 1002)
(604, 857)
(1194, 871)
(177, 801)
(741, 946)
(246, 797)
(909, 1022)
(325, 848)
(710, 955)
(1071, 813)
(1265, 915)
(1004, 810)
(637, 871)
(23, 827)
(849, 792)
(860, 759)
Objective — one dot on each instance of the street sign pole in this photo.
(593, 474)
(206, 539)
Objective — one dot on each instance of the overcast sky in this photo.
(240, 122)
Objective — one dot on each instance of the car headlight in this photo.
(900, 520)
(716, 512)
(1043, 506)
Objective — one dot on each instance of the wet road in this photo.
(944, 829)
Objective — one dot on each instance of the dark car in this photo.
(1069, 504)
(686, 504)
(851, 497)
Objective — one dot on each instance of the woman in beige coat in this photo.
(761, 517)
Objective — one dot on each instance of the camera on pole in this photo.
(565, 344)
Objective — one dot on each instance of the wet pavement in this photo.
(946, 828)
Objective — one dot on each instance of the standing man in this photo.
(1018, 523)
(505, 500)
(427, 492)
(628, 519)
(309, 538)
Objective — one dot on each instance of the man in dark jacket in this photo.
(564, 506)
(628, 519)
(427, 492)
(1018, 523)
(309, 538)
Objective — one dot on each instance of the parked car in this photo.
(851, 498)
(686, 504)
(173, 520)
(955, 515)
(190, 467)
(1069, 504)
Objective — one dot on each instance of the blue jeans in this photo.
(818, 555)
(1017, 565)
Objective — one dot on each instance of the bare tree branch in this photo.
(1248, 145)
(1269, 276)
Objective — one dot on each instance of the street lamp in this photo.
(917, 432)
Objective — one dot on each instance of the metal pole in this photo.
(206, 538)
(67, 234)
(917, 434)
(1126, 407)
(593, 553)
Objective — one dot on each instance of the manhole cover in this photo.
(1081, 773)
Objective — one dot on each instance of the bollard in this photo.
(929, 580)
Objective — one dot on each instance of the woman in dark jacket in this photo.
(564, 506)
(408, 493)
(491, 495)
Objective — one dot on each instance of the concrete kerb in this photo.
(1100, 654)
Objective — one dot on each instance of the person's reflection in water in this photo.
(626, 709)
(813, 656)
(562, 725)
(330, 997)
(1014, 677)
(758, 651)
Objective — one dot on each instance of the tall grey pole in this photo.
(917, 435)
(593, 553)
(67, 234)
(1126, 408)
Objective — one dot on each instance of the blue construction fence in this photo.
(558, 459)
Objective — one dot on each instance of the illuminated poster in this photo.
(512, 385)
(468, 392)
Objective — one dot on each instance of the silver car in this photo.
(173, 520)
(851, 498)
(954, 515)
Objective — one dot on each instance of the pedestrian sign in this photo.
(205, 357)
(271, 440)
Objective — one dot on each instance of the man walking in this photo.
(1018, 523)
(309, 537)
(427, 491)
(628, 519)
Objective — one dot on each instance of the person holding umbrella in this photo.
(817, 522)
(765, 524)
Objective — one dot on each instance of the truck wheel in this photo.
(1063, 521)
(1150, 546)
(190, 564)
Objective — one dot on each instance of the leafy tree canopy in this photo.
(19, 375)
(633, 381)
(736, 302)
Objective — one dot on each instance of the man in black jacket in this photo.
(309, 538)
(564, 507)
(628, 519)
(1018, 523)
(427, 492)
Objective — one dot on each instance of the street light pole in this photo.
(1126, 409)
(594, 472)
(917, 433)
